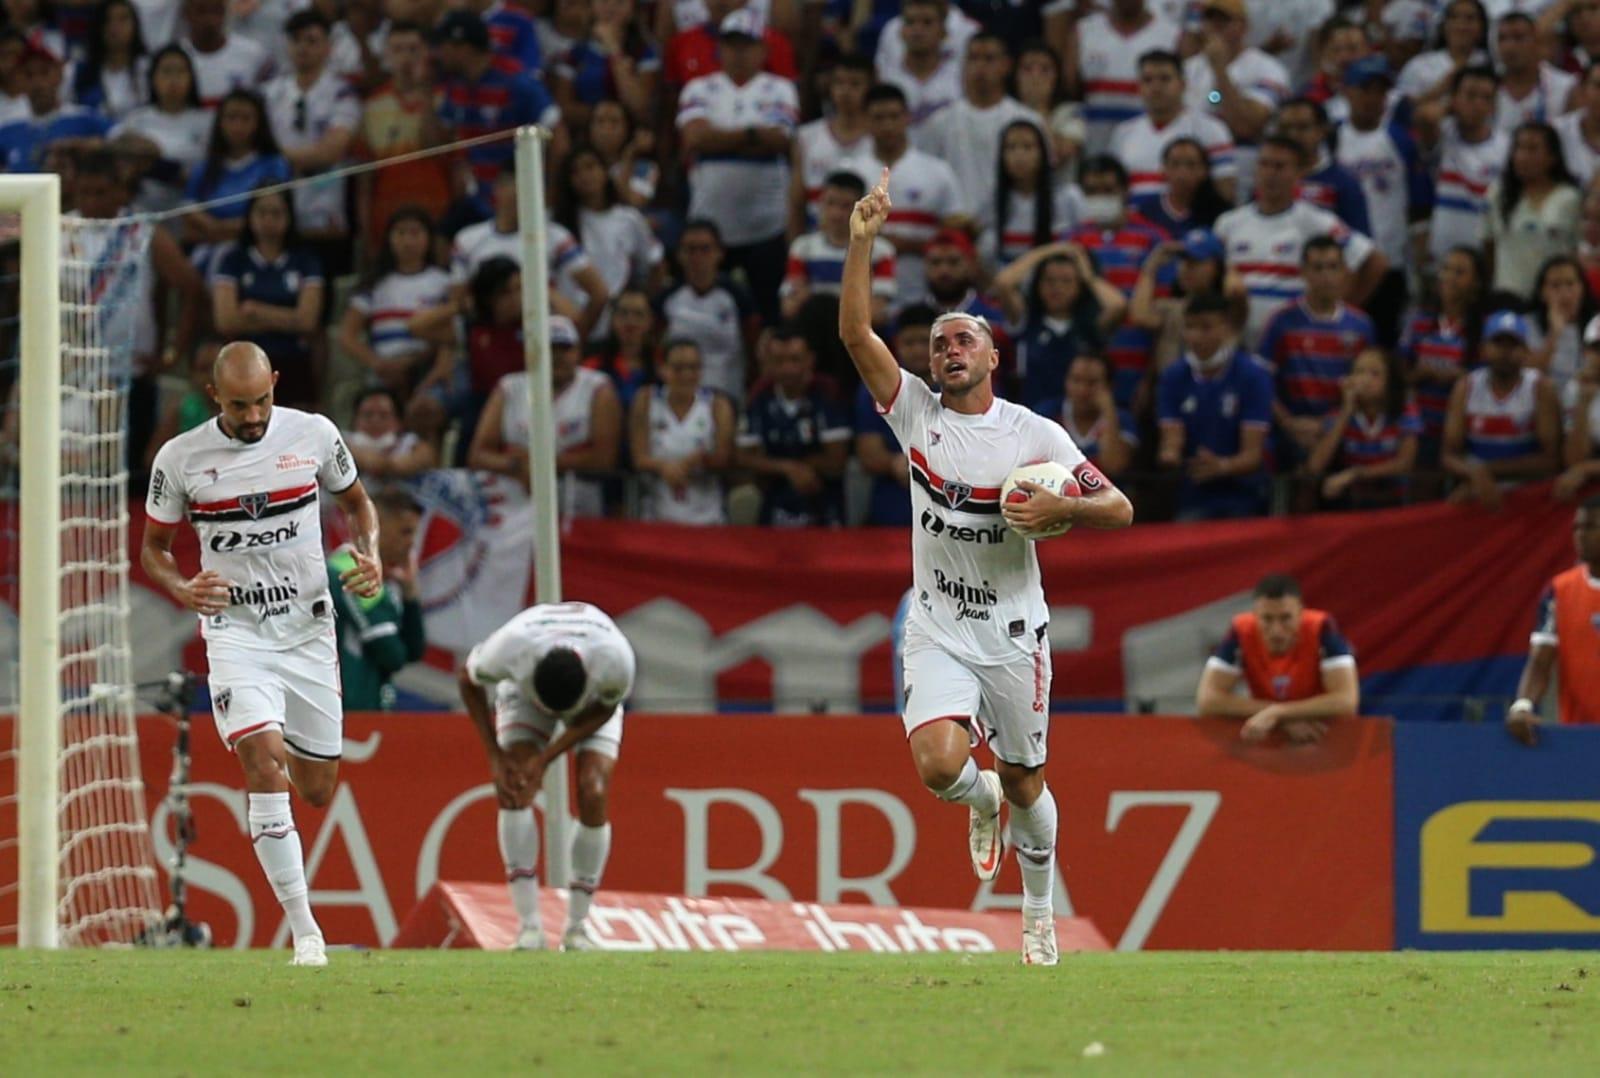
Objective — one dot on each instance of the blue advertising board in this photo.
(1496, 845)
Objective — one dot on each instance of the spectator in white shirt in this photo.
(222, 61)
(1534, 210)
(112, 77)
(1531, 88)
(1462, 42)
(967, 133)
(1242, 86)
(1139, 143)
(616, 237)
(929, 74)
(1580, 129)
(958, 28)
(712, 311)
(314, 115)
(823, 144)
(166, 139)
(737, 125)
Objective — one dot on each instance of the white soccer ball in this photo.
(1054, 477)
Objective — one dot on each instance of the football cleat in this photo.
(530, 939)
(578, 939)
(1039, 942)
(983, 832)
(310, 951)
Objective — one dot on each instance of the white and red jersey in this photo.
(1258, 76)
(390, 304)
(564, 255)
(1502, 427)
(1582, 156)
(975, 582)
(241, 64)
(819, 263)
(925, 97)
(1138, 143)
(1461, 187)
(923, 191)
(573, 411)
(1546, 101)
(999, 247)
(1108, 64)
(513, 651)
(746, 196)
(821, 153)
(253, 506)
(1264, 249)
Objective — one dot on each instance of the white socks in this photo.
(277, 846)
(590, 846)
(519, 848)
(969, 790)
(1033, 834)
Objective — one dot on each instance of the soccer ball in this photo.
(1054, 477)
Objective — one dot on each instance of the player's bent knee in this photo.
(1021, 785)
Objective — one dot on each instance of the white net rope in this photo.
(110, 889)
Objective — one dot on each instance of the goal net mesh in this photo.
(109, 887)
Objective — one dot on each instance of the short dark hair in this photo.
(1515, 16)
(1207, 303)
(790, 331)
(1277, 586)
(559, 679)
(1287, 144)
(915, 316)
(885, 91)
(1091, 357)
(1475, 71)
(406, 26)
(702, 224)
(1162, 56)
(1318, 243)
(847, 180)
(674, 343)
(1104, 163)
(97, 161)
(377, 391)
(990, 36)
(854, 61)
(305, 19)
(394, 498)
(1302, 102)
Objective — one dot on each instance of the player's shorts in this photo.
(517, 720)
(296, 691)
(1008, 704)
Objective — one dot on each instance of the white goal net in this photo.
(109, 890)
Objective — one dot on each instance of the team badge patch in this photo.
(956, 493)
(253, 504)
(221, 700)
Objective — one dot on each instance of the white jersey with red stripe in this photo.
(254, 507)
(573, 411)
(1461, 187)
(821, 153)
(513, 651)
(1108, 62)
(975, 582)
(1138, 143)
(923, 191)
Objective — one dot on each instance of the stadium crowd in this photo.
(1252, 256)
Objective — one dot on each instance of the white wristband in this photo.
(1522, 705)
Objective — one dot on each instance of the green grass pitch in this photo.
(403, 1013)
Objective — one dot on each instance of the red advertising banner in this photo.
(1174, 833)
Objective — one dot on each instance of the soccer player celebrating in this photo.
(248, 483)
(558, 663)
(977, 660)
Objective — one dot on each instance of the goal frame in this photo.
(37, 199)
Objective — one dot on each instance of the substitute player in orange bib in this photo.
(1566, 638)
(1298, 667)
(976, 653)
(248, 483)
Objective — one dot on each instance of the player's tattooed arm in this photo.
(365, 578)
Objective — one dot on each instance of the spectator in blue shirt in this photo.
(795, 439)
(268, 289)
(1106, 434)
(615, 61)
(1069, 309)
(1215, 408)
(50, 124)
(241, 156)
(877, 448)
(1326, 183)
(480, 99)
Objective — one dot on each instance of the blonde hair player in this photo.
(248, 483)
(976, 654)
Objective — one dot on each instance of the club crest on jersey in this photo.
(221, 700)
(253, 503)
(956, 493)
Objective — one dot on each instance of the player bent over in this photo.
(248, 482)
(977, 657)
(563, 664)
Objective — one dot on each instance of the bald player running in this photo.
(248, 483)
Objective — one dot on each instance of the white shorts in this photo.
(1010, 701)
(296, 691)
(516, 719)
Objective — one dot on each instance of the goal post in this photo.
(531, 211)
(37, 199)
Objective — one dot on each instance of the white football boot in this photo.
(310, 951)
(984, 841)
(1039, 942)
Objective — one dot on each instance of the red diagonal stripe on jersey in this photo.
(287, 494)
(937, 481)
